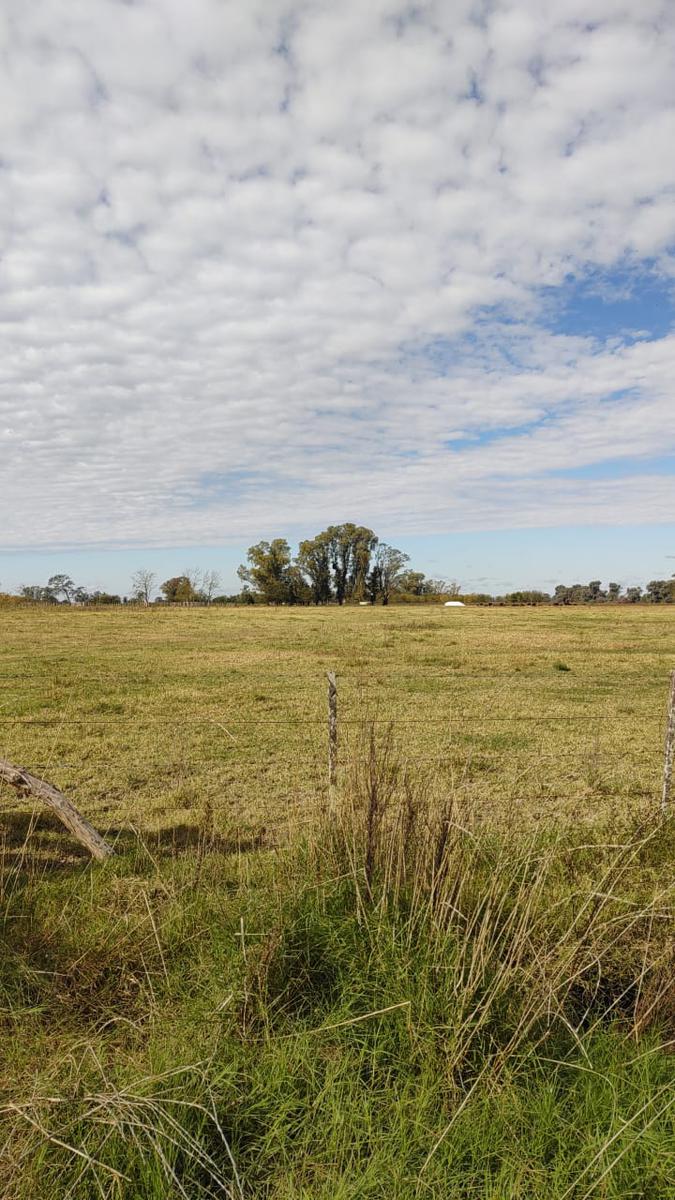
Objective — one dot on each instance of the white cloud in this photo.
(264, 265)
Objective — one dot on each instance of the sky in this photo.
(274, 265)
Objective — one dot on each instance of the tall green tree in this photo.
(314, 560)
(269, 572)
(594, 592)
(661, 591)
(414, 583)
(298, 590)
(180, 589)
(350, 548)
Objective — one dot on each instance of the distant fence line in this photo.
(334, 719)
(396, 601)
(669, 752)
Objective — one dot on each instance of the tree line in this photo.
(344, 564)
(657, 591)
(192, 587)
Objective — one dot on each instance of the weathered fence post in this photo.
(332, 732)
(31, 785)
(670, 747)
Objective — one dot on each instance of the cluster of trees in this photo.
(529, 597)
(348, 563)
(658, 591)
(60, 589)
(344, 564)
(193, 587)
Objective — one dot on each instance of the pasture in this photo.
(456, 986)
(146, 717)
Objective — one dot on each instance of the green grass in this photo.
(145, 716)
(337, 1041)
(459, 984)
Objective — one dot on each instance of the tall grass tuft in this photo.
(506, 948)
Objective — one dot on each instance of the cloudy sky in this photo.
(274, 264)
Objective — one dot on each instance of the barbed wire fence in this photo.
(227, 750)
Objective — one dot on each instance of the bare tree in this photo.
(210, 584)
(384, 578)
(143, 585)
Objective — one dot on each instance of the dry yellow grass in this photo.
(167, 719)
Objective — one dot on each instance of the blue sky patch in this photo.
(623, 303)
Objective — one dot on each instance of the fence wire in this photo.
(281, 759)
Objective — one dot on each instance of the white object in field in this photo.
(454, 604)
(364, 603)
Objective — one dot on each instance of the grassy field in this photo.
(459, 985)
(145, 717)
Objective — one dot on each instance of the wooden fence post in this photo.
(28, 784)
(670, 747)
(332, 732)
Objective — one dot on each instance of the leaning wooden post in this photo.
(29, 784)
(670, 747)
(332, 734)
